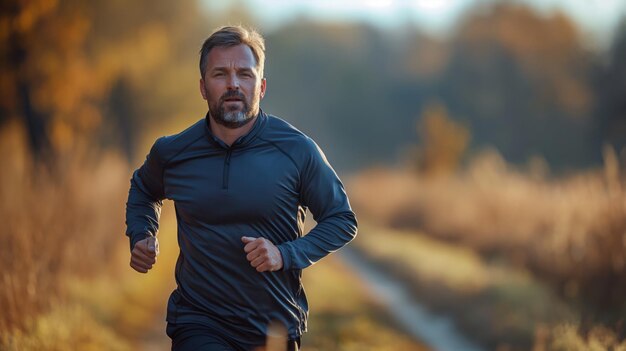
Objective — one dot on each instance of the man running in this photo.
(241, 181)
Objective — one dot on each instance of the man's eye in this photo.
(218, 74)
(246, 75)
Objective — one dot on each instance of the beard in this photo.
(233, 117)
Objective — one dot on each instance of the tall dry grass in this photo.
(496, 305)
(570, 231)
(56, 223)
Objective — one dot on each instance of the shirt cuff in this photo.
(285, 252)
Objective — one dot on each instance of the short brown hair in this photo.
(231, 36)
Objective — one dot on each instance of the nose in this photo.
(233, 82)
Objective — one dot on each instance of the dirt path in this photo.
(438, 332)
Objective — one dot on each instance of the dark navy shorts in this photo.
(197, 337)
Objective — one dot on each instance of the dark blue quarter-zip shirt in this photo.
(260, 186)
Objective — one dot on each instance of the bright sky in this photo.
(598, 18)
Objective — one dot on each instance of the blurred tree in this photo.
(147, 59)
(64, 62)
(443, 141)
(123, 117)
(610, 85)
(346, 86)
(45, 78)
(351, 86)
(423, 58)
(525, 96)
(522, 81)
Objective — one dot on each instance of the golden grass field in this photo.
(519, 258)
(504, 307)
(516, 259)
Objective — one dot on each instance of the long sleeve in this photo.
(145, 198)
(324, 195)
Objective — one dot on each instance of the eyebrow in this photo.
(223, 68)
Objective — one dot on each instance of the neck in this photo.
(230, 135)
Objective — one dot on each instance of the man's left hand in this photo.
(262, 254)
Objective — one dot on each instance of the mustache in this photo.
(232, 94)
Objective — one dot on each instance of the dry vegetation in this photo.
(502, 307)
(56, 223)
(63, 286)
(570, 232)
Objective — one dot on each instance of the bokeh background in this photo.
(482, 143)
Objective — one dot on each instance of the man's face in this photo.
(232, 85)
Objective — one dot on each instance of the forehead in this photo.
(238, 56)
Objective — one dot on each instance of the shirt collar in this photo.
(259, 124)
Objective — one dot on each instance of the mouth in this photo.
(232, 97)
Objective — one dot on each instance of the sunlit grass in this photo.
(132, 302)
(65, 271)
(566, 337)
(57, 225)
(65, 327)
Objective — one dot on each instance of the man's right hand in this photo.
(144, 254)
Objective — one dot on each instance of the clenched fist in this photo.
(262, 254)
(144, 254)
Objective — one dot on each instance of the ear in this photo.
(263, 87)
(203, 89)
